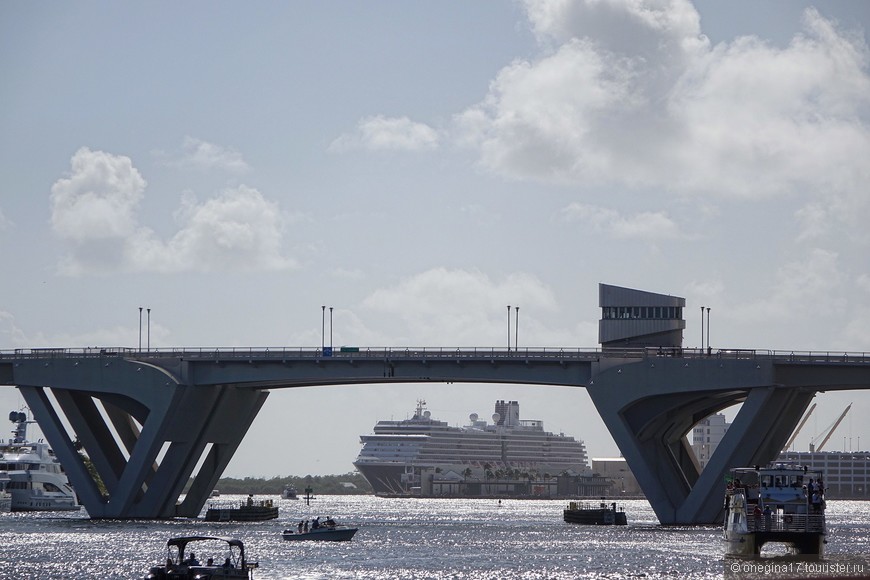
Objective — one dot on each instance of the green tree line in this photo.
(345, 484)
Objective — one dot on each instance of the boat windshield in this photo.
(782, 480)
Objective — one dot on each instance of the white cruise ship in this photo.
(33, 475)
(394, 456)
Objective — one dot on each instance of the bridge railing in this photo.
(310, 352)
(417, 353)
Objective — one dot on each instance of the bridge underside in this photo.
(650, 406)
(146, 435)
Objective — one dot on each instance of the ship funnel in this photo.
(473, 417)
(496, 418)
(427, 414)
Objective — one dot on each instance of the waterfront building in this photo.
(707, 435)
(847, 474)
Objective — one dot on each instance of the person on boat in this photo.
(299, 528)
(330, 523)
(227, 563)
(315, 523)
(305, 526)
(192, 561)
(756, 512)
(250, 499)
(767, 517)
(817, 501)
(209, 562)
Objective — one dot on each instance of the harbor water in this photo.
(425, 538)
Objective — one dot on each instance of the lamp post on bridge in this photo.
(709, 350)
(517, 329)
(148, 348)
(330, 327)
(509, 327)
(140, 329)
(702, 329)
(322, 326)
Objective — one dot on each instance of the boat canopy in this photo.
(181, 542)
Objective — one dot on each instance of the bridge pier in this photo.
(649, 406)
(164, 430)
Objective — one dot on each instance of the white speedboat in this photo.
(329, 531)
(37, 481)
(289, 492)
(782, 504)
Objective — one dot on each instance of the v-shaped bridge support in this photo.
(144, 430)
(650, 406)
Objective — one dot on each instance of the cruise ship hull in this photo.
(398, 479)
(384, 479)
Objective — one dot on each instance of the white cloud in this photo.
(643, 225)
(203, 155)
(632, 94)
(95, 211)
(11, 336)
(627, 26)
(238, 229)
(99, 199)
(385, 133)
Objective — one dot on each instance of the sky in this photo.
(419, 166)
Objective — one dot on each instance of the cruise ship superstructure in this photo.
(34, 477)
(394, 456)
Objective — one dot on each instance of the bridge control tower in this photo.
(637, 319)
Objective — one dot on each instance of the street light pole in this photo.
(330, 327)
(509, 327)
(149, 331)
(709, 350)
(322, 326)
(702, 328)
(517, 329)
(140, 329)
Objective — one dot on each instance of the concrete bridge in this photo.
(146, 419)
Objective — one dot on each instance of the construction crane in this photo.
(830, 431)
(799, 427)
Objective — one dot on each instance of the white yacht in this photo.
(36, 480)
(399, 454)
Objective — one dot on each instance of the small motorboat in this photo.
(289, 493)
(329, 532)
(226, 560)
